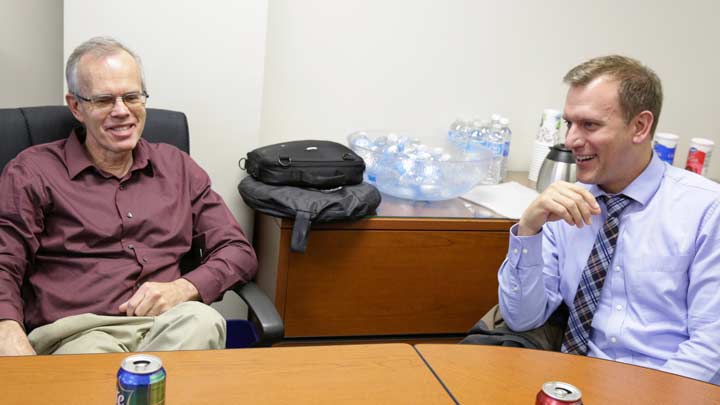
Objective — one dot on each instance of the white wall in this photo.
(205, 59)
(30, 53)
(338, 66)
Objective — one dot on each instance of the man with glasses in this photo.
(92, 229)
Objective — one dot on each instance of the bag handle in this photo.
(301, 227)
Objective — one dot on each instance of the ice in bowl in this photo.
(426, 167)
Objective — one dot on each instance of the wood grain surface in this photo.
(503, 375)
(359, 374)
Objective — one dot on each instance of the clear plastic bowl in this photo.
(427, 167)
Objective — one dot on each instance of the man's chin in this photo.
(585, 177)
(125, 145)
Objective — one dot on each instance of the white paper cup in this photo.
(665, 145)
(699, 155)
(540, 151)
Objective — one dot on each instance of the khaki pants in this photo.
(188, 326)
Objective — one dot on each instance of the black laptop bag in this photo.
(309, 163)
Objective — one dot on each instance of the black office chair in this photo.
(24, 127)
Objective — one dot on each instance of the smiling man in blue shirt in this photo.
(654, 277)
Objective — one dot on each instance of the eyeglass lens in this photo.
(108, 101)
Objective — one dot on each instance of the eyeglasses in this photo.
(106, 102)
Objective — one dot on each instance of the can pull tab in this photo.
(561, 392)
(141, 365)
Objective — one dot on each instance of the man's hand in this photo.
(13, 340)
(155, 298)
(562, 200)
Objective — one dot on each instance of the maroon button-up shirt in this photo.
(74, 239)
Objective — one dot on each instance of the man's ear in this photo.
(641, 126)
(74, 106)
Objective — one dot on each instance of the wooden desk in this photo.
(416, 268)
(361, 374)
(503, 375)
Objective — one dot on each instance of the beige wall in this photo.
(334, 67)
(338, 66)
(30, 52)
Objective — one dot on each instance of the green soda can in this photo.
(141, 381)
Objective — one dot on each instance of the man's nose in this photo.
(119, 108)
(573, 138)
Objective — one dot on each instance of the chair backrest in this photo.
(27, 126)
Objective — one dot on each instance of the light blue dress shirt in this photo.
(660, 304)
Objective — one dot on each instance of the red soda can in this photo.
(558, 393)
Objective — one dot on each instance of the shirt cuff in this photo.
(524, 251)
(208, 288)
(10, 313)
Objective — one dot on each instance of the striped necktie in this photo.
(587, 297)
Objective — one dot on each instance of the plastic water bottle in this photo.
(479, 135)
(507, 137)
(496, 144)
(457, 131)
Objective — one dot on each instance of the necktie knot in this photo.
(616, 204)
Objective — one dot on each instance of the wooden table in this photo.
(415, 269)
(360, 374)
(503, 375)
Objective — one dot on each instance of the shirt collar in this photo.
(77, 158)
(644, 186)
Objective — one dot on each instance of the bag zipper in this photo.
(323, 163)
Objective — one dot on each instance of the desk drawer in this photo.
(386, 282)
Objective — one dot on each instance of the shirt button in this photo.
(515, 288)
(129, 215)
(617, 268)
(145, 260)
(619, 307)
(122, 187)
(524, 251)
(131, 246)
(515, 251)
(613, 339)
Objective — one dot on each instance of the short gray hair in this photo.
(98, 46)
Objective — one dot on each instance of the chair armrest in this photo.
(262, 312)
